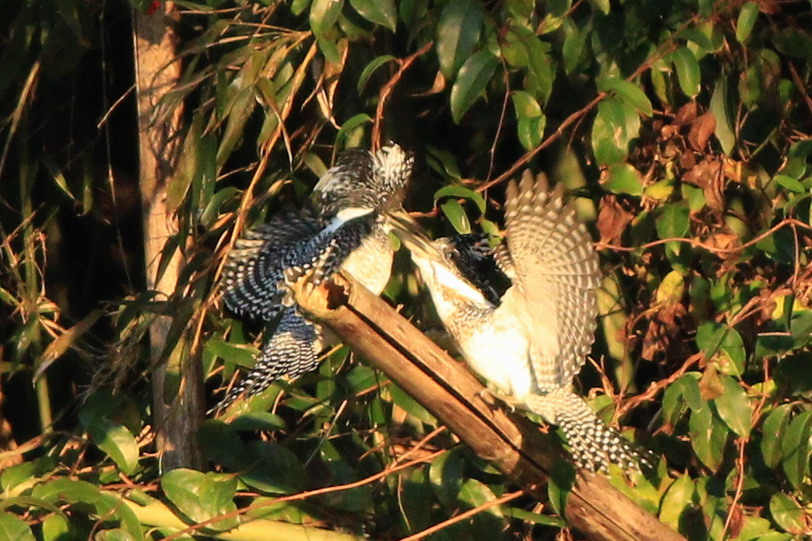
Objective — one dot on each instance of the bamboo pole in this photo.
(512, 443)
(177, 385)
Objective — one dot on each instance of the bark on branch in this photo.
(449, 391)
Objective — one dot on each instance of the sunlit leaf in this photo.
(795, 448)
(445, 474)
(112, 437)
(687, 69)
(720, 108)
(679, 496)
(14, 529)
(708, 437)
(456, 215)
(734, 407)
(473, 77)
(461, 192)
(323, 14)
(616, 124)
(787, 513)
(201, 496)
(674, 222)
(370, 68)
(628, 92)
(623, 178)
(746, 20)
(457, 33)
(773, 431)
(380, 12)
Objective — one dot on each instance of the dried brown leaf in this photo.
(612, 219)
(701, 130)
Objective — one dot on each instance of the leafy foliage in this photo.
(682, 127)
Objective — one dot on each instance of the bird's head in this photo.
(372, 181)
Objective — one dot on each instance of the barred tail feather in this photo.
(593, 444)
(292, 350)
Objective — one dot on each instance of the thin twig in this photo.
(462, 516)
(387, 89)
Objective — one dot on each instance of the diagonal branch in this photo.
(512, 443)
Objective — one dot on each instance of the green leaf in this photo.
(674, 222)
(746, 20)
(772, 434)
(457, 216)
(487, 524)
(13, 528)
(370, 68)
(186, 170)
(55, 528)
(411, 406)
(790, 183)
(416, 501)
(687, 68)
(380, 12)
(525, 105)
(462, 192)
(323, 14)
(531, 131)
(221, 444)
(201, 496)
(677, 498)
(574, 43)
(629, 92)
(275, 469)
(67, 491)
(795, 447)
(601, 5)
(259, 420)
(708, 437)
(616, 124)
(787, 514)
(473, 77)
(445, 475)
(623, 178)
(723, 344)
(559, 486)
(457, 33)
(240, 354)
(719, 106)
(349, 126)
(734, 407)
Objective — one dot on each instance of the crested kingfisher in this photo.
(531, 338)
(346, 227)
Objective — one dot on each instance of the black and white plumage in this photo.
(347, 229)
(531, 343)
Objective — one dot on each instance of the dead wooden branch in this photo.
(449, 391)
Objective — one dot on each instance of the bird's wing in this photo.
(291, 350)
(557, 273)
(255, 268)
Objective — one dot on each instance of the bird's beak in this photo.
(412, 235)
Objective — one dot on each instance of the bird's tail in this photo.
(593, 444)
(292, 350)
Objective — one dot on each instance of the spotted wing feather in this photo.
(556, 276)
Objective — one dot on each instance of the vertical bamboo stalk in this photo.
(176, 382)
